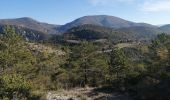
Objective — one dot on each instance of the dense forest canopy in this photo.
(29, 68)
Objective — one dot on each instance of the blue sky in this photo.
(63, 11)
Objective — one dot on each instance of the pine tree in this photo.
(119, 67)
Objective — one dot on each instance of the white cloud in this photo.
(156, 5)
(144, 5)
(106, 2)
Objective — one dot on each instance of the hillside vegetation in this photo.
(101, 59)
(26, 67)
(93, 33)
(35, 30)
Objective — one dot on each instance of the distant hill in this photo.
(87, 27)
(98, 20)
(30, 23)
(102, 20)
(165, 28)
(143, 33)
(93, 32)
(27, 33)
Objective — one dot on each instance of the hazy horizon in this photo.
(75, 19)
(154, 12)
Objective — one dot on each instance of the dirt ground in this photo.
(87, 94)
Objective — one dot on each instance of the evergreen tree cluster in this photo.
(24, 71)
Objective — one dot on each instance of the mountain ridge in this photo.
(99, 20)
(30, 23)
(166, 28)
(103, 20)
(123, 26)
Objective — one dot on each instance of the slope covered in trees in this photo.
(28, 70)
(28, 34)
(23, 69)
(103, 21)
(31, 24)
(92, 32)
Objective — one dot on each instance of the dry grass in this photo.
(123, 45)
(85, 94)
(44, 48)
